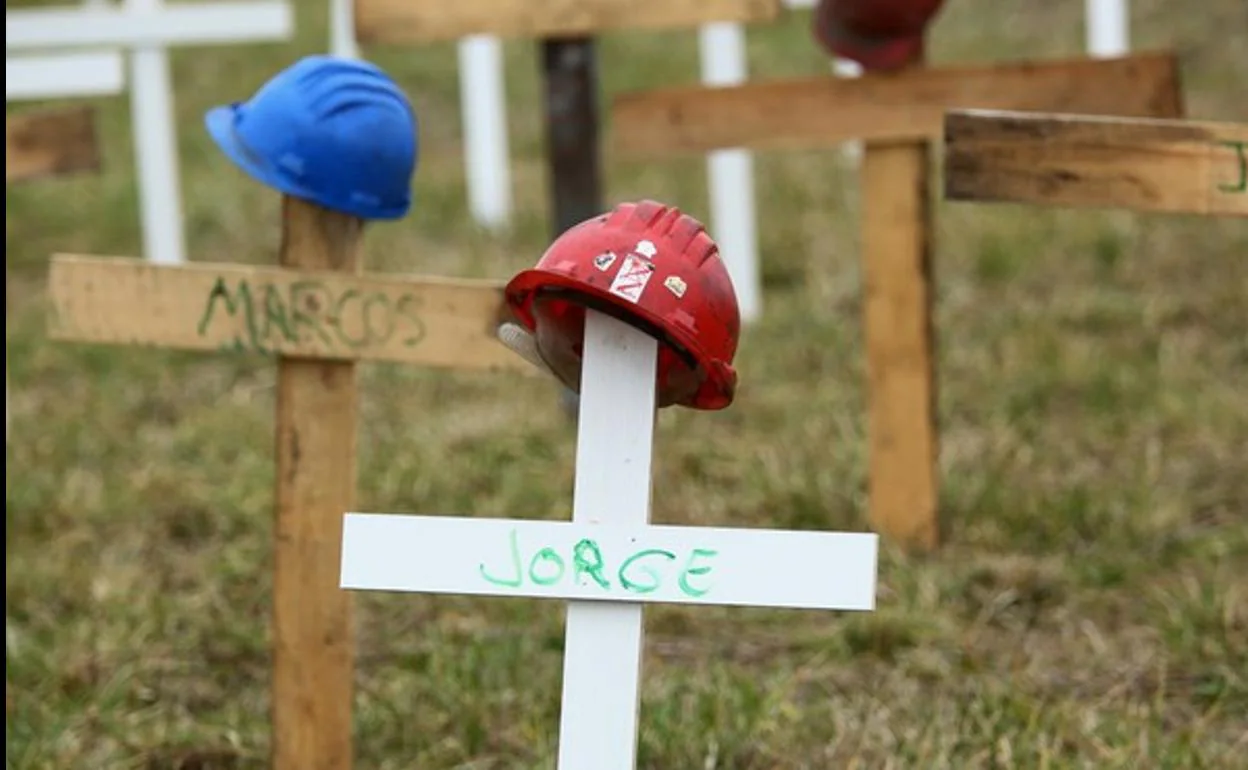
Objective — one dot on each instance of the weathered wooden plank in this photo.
(897, 223)
(246, 308)
(1068, 160)
(317, 432)
(426, 21)
(49, 143)
(906, 105)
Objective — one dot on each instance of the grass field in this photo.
(1090, 608)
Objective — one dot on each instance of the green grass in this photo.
(1090, 608)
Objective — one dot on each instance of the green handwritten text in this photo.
(641, 571)
(1241, 154)
(311, 312)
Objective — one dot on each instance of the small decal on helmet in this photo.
(646, 249)
(632, 278)
(676, 285)
(604, 260)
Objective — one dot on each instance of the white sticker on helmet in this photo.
(632, 278)
(676, 285)
(646, 249)
(604, 260)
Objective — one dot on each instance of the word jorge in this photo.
(338, 317)
(1241, 155)
(640, 572)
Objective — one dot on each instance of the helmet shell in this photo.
(334, 131)
(878, 34)
(653, 267)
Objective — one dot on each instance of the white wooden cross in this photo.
(148, 28)
(609, 560)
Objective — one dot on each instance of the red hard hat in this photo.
(653, 267)
(878, 34)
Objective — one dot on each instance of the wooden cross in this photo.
(897, 115)
(608, 560)
(318, 313)
(1167, 166)
(44, 143)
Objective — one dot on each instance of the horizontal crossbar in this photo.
(218, 23)
(49, 143)
(56, 76)
(1068, 160)
(438, 322)
(427, 21)
(603, 562)
(903, 106)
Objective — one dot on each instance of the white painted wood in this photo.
(342, 29)
(156, 145)
(1107, 27)
(554, 560)
(483, 105)
(63, 75)
(200, 24)
(614, 446)
(611, 507)
(851, 151)
(730, 173)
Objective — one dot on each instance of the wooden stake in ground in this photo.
(608, 560)
(313, 644)
(1169, 166)
(319, 316)
(897, 233)
(896, 114)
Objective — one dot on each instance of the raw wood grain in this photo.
(906, 105)
(1068, 160)
(49, 143)
(428, 21)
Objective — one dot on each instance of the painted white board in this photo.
(63, 75)
(602, 562)
(224, 23)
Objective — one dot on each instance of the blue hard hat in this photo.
(334, 131)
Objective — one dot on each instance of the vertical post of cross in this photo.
(570, 79)
(313, 656)
(900, 339)
(615, 438)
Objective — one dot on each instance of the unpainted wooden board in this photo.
(311, 313)
(897, 322)
(427, 21)
(49, 143)
(906, 105)
(1068, 160)
(317, 433)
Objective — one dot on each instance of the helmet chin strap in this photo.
(520, 341)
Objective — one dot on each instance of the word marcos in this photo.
(313, 311)
(640, 572)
